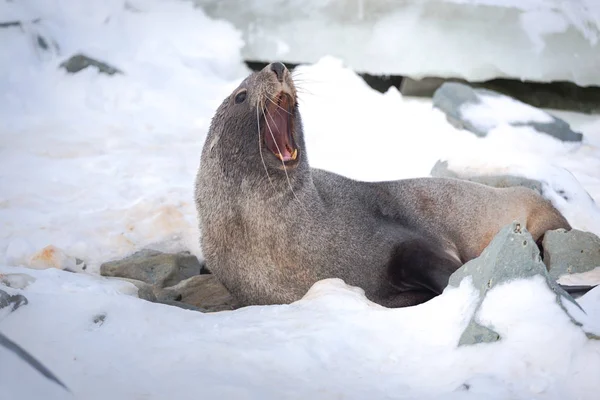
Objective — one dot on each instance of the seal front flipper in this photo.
(418, 264)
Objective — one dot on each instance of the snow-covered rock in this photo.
(512, 255)
(79, 62)
(481, 110)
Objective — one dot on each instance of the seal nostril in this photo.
(279, 70)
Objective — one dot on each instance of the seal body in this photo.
(271, 226)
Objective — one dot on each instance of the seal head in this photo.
(265, 106)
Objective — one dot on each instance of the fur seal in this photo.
(271, 226)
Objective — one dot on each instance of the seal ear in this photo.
(418, 264)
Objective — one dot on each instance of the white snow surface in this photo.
(96, 167)
(331, 344)
(492, 111)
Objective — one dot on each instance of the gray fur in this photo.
(268, 237)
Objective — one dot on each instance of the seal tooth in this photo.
(294, 154)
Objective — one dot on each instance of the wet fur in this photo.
(268, 237)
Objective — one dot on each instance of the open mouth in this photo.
(277, 129)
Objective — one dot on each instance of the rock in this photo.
(53, 257)
(570, 252)
(202, 291)
(453, 97)
(554, 95)
(153, 267)
(12, 302)
(203, 268)
(16, 281)
(10, 24)
(145, 290)
(512, 254)
(441, 170)
(79, 62)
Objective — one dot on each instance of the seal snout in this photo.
(279, 70)
(279, 111)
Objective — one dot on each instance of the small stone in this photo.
(202, 291)
(99, 319)
(452, 97)
(79, 62)
(12, 302)
(11, 24)
(153, 267)
(54, 257)
(511, 255)
(145, 291)
(570, 252)
(475, 333)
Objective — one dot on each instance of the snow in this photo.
(96, 167)
(331, 344)
(537, 40)
(492, 111)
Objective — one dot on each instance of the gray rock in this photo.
(79, 62)
(570, 252)
(11, 301)
(202, 291)
(512, 254)
(153, 267)
(554, 95)
(452, 96)
(10, 24)
(441, 170)
(145, 290)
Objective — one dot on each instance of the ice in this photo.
(97, 167)
(538, 40)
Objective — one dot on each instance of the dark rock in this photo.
(202, 291)
(10, 24)
(99, 319)
(153, 267)
(512, 254)
(570, 252)
(441, 170)
(204, 268)
(13, 301)
(452, 96)
(79, 62)
(553, 95)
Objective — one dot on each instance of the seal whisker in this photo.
(282, 162)
(278, 106)
(262, 159)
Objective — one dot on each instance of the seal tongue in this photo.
(277, 133)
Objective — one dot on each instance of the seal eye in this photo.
(240, 97)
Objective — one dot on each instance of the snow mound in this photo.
(332, 343)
